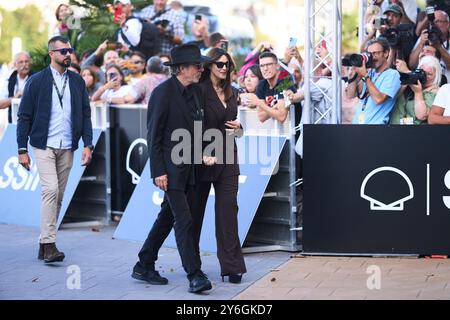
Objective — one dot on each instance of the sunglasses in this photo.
(64, 51)
(220, 65)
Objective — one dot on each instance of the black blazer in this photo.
(36, 105)
(167, 112)
(215, 116)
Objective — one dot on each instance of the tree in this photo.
(26, 23)
(350, 32)
(95, 27)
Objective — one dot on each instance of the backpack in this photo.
(150, 44)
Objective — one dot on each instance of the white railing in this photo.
(248, 117)
(98, 114)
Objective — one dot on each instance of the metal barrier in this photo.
(121, 154)
(276, 225)
(91, 203)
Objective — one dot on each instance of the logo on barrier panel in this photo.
(446, 199)
(376, 205)
(135, 177)
(18, 178)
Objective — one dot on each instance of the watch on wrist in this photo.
(22, 151)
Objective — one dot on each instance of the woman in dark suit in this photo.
(220, 168)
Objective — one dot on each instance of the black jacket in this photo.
(12, 81)
(36, 105)
(215, 116)
(168, 112)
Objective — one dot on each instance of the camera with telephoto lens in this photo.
(412, 77)
(357, 60)
(434, 34)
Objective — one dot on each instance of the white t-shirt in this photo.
(443, 99)
(122, 92)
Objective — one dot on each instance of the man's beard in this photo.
(196, 79)
(65, 63)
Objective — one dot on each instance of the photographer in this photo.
(417, 92)
(376, 88)
(400, 37)
(437, 36)
(169, 23)
(434, 5)
(138, 34)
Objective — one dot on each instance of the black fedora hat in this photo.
(186, 54)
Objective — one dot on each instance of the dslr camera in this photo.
(357, 60)
(163, 23)
(396, 36)
(378, 22)
(434, 34)
(412, 77)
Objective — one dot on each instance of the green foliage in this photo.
(350, 32)
(284, 85)
(26, 23)
(96, 27)
(40, 57)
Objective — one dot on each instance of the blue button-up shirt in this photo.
(60, 126)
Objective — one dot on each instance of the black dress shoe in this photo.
(233, 278)
(199, 283)
(150, 275)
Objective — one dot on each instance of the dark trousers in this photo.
(175, 212)
(229, 250)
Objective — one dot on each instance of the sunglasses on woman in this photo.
(64, 51)
(220, 65)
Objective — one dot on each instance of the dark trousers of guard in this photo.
(175, 207)
(229, 250)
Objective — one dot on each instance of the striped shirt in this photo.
(175, 27)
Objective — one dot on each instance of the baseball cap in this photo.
(122, 1)
(395, 8)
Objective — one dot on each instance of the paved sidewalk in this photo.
(347, 279)
(105, 266)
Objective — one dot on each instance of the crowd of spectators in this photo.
(402, 42)
(401, 76)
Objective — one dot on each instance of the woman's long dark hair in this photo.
(115, 66)
(215, 54)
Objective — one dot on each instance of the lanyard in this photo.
(60, 95)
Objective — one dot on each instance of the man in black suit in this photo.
(173, 108)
